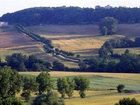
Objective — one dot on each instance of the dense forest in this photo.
(71, 15)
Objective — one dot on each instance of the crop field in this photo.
(123, 29)
(12, 41)
(78, 44)
(102, 90)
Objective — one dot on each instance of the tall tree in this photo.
(10, 82)
(44, 81)
(82, 85)
(70, 87)
(61, 86)
(108, 26)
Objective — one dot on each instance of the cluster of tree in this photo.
(71, 15)
(66, 86)
(21, 62)
(126, 62)
(107, 48)
(11, 83)
(42, 86)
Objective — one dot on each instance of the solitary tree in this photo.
(108, 26)
(65, 86)
(44, 81)
(128, 101)
(120, 88)
(81, 84)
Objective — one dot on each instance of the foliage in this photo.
(108, 26)
(23, 63)
(50, 98)
(61, 86)
(26, 95)
(125, 63)
(70, 87)
(70, 15)
(65, 86)
(10, 82)
(10, 101)
(107, 48)
(29, 85)
(44, 81)
(128, 101)
(81, 84)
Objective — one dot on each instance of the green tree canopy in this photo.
(10, 82)
(50, 98)
(81, 84)
(44, 81)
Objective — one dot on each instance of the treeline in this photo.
(71, 15)
(108, 61)
(125, 63)
(21, 62)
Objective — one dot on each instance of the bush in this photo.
(128, 101)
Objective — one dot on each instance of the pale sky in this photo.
(14, 5)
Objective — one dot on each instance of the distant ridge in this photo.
(71, 15)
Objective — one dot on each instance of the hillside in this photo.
(65, 37)
(12, 41)
(70, 37)
(70, 15)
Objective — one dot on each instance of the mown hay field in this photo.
(77, 44)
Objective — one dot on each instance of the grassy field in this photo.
(123, 29)
(131, 50)
(100, 81)
(102, 89)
